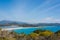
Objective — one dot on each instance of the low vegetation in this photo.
(35, 35)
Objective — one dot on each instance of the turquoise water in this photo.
(26, 31)
(29, 30)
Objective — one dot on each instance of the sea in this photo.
(30, 30)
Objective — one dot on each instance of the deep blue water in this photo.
(29, 30)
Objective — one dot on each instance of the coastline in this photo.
(18, 28)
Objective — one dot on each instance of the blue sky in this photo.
(31, 11)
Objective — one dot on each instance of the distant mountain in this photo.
(48, 24)
(9, 23)
(5, 21)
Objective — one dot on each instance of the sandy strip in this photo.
(18, 28)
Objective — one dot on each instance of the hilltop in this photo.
(24, 24)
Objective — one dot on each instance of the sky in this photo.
(31, 11)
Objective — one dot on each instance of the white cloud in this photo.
(44, 20)
(40, 6)
(50, 20)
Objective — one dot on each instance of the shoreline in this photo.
(18, 28)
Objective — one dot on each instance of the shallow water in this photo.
(29, 30)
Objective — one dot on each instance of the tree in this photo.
(46, 33)
(58, 33)
(38, 31)
(33, 35)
